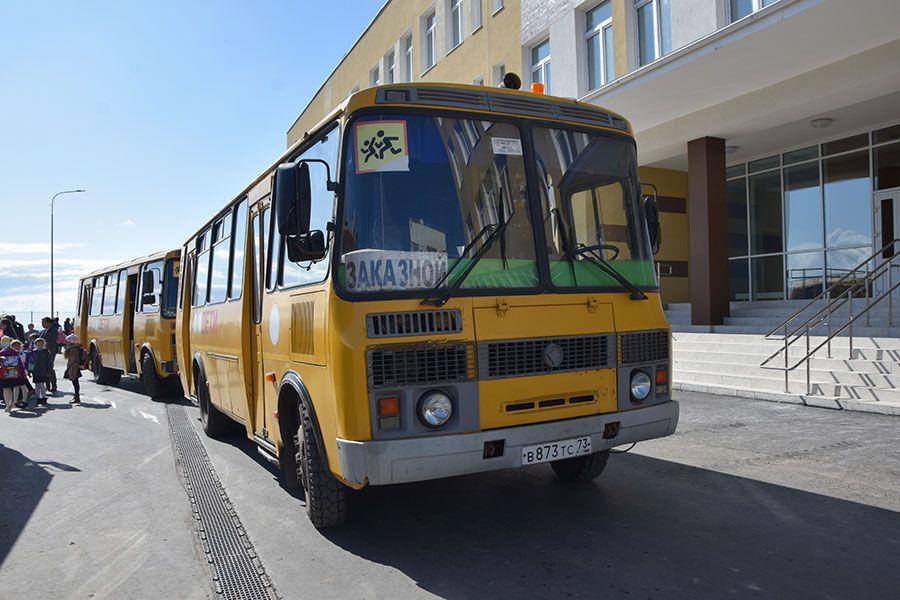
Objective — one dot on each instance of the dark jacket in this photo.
(20, 331)
(42, 366)
(50, 334)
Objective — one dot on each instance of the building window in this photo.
(599, 36)
(456, 23)
(389, 67)
(654, 29)
(407, 58)
(496, 5)
(540, 64)
(430, 24)
(374, 78)
(742, 8)
(475, 14)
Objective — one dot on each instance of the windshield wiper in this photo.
(493, 232)
(589, 253)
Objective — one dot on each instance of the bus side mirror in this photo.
(654, 229)
(148, 299)
(147, 283)
(306, 247)
(293, 197)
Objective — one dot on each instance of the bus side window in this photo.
(97, 297)
(237, 251)
(120, 299)
(109, 300)
(267, 246)
(201, 271)
(255, 268)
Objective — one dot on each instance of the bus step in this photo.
(266, 448)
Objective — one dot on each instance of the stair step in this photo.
(823, 376)
(858, 392)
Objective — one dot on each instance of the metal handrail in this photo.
(828, 308)
(809, 353)
(827, 291)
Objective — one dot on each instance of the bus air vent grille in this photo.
(537, 356)
(523, 106)
(414, 365)
(418, 322)
(302, 328)
(643, 347)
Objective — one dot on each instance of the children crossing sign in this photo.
(381, 146)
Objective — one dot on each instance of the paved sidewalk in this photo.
(92, 505)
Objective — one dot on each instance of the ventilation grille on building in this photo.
(643, 347)
(420, 322)
(534, 106)
(517, 358)
(419, 365)
(302, 324)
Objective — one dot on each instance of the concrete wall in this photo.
(691, 20)
(494, 43)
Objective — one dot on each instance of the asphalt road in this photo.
(747, 499)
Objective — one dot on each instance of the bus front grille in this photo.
(643, 347)
(418, 322)
(414, 365)
(538, 356)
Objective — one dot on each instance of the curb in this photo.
(829, 402)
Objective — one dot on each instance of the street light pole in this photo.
(52, 307)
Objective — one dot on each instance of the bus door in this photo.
(185, 359)
(263, 420)
(130, 312)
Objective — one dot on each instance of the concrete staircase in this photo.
(725, 359)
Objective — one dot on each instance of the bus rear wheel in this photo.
(213, 421)
(326, 497)
(581, 468)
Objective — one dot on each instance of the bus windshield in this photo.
(442, 202)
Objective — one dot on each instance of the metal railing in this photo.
(852, 285)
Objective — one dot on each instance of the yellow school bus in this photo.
(125, 318)
(436, 280)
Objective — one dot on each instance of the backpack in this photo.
(11, 367)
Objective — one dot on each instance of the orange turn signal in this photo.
(662, 376)
(270, 376)
(388, 407)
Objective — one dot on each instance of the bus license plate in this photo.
(556, 450)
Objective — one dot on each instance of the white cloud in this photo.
(36, 247)
(127, 223)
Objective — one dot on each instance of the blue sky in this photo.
(157, 109)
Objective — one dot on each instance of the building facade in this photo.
(770, 128)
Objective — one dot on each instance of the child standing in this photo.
(41, 367)
(12, 372)
(74, 361)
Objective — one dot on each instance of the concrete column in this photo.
(708, 218)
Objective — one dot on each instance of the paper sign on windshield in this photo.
(381, 146)
(393, 270)
(508, 146)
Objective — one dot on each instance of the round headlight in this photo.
(640, 386)
(435, 409)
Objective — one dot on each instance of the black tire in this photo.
(152, 382)
(326, 497)
(101, 373)
(581, 468)
(215, 424)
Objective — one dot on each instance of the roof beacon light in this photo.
(537, 88)
(511, 81)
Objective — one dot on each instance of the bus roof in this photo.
(174, 253)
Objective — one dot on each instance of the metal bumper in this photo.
(418, 459)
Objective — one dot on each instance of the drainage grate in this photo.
(237, 571)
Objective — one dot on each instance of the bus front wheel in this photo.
(581, 468)
(326, 497)
(152, 383)
(213, 421)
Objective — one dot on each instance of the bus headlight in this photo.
(640, 386)
(434, 408)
